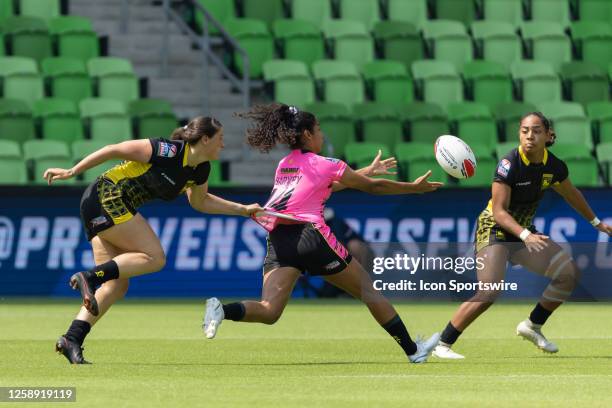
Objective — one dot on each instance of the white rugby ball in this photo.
(455, 156)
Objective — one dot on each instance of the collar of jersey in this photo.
(526, 160)
(186, 155)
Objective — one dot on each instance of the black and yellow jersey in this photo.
(528, 182)
(165, 176)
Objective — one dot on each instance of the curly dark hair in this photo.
(548, 126)
(196, 129)
(277, 123)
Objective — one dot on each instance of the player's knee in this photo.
(568, 277)
(486, 297)
(157, 261)
(272, 314)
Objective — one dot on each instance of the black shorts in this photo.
(489, 233)
(102, 207)
(303, 246)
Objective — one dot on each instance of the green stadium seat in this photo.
(359, 155)
(508, 11)
(583, 168)
(600, 114)
(410, 11)
(254, 38)
(547, 42)
(595, 10)
(83, 148)
(585, 82)
(7, 10)
(17, 65)
(415, 159)
(152, 118)
(336, 123)
(16, 122)
(114, 78)
(67, 78)
(13, 168)
(291, 82)
(483, 177)
(604, 153)
(449, 41)
(388, 81)
(74, 37)
(20, 79)
(488, 82)
(593, 42)
(474, 123)
(424, 122)
(43, 154)
(265, 10)
(350, 41)
(59, 119)
(45, 9)
(340, 81)
(438, 82)
(537, 81)
(496, 41)
(570, 123)
(365, 11)
(148, 106)
(378, 123)
(299, 40)
(399, 41)
(503, 149)
(313, 11)
(27, 37)
(557, 11)
(221, 10)
(460, 10)
(508, 117)
(106, 119)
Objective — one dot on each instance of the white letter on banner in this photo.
(64, 240)
(187, 243)
(603, 258)
(378, 230)
(407, 230)
(251, 236)
(166, 235)
(32, 237)
(437, 227)
(7, 234)
(220, 243)
(560, 228)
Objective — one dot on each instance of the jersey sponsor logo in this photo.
(331, 159)
(288, 170)
(546, 180)
(504, 168)
(332, 265)
(164, 175)
(98, 221)
(166, 150)
(524, 183)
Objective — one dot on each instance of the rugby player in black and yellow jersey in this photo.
(123, 243)
(505, 233)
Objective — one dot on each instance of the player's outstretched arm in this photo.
(500, 201)
(576, 200)
(135, 150)
(201, 200)
(376, 168)
(352, 179)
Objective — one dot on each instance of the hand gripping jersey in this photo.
(528, 182)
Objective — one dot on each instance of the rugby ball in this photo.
(455, 157)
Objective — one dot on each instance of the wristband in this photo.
(524, 234)
(595, 221)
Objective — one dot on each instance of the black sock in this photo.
(103, 272)
(234, 311)
(395, 327)
(539, 315)
(450, 334)
(77, 331)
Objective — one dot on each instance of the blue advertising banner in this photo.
(42, 241)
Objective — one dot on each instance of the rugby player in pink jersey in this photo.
(303, 183)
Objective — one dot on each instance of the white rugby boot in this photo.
(444, 350)
(424, 348)
(213, 317)
(532, 332)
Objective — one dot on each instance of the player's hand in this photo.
(248, 210)
(379, 167)
(536, 242)
(603, 227)
(422, 185)
(57, 174)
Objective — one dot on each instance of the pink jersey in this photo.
(302, 185)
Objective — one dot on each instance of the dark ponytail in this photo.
(546, 123)
(277, 123)
(196, 129)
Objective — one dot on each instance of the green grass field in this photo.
(153, 354)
